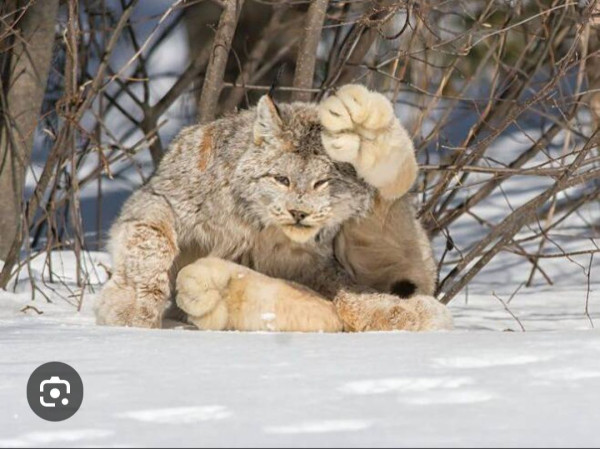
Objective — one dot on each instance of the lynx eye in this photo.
(283, 180)
(320, 183)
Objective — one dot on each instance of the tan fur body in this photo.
(388, 245)
(263, 205)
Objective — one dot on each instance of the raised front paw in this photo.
(359, 127)
(349, 116)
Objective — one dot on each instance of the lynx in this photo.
(290, 217)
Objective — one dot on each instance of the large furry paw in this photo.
(118, 306)
(432, 314)
(202, 292)
(221, 295)
(379, 312)
(359, 127)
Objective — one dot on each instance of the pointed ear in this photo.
(268, 124)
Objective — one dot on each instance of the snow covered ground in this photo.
(474, 386)
(183, 388)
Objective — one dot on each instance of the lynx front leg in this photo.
(137, 294)
(221, 295)
(359, 127)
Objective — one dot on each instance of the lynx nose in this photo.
(298, 215)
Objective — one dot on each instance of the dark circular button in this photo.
(54, 391)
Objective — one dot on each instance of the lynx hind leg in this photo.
(380, 312)
(388, 250)
(359, 127)
(222, 295)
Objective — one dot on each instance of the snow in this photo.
(158, 388)
(473, 386)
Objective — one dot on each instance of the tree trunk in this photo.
(23, 81)
(307, 53)
(593, 67)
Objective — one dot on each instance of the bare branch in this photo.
(307, 53)
(213, 81)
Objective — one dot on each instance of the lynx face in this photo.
(290, 182)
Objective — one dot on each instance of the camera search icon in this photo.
(55, 391)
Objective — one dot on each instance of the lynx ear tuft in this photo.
(268, 124)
